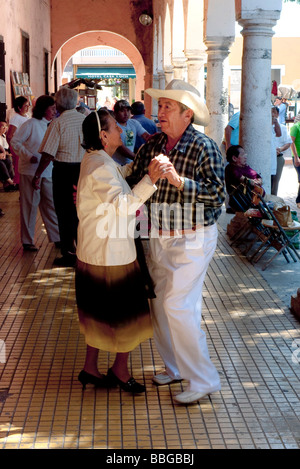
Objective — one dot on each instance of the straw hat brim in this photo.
(189, 99)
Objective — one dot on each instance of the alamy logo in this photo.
(2, 352)
(118, 220)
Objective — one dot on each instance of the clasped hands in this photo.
(161, 167)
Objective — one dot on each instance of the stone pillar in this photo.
(154, 110)
(179, 64)
(161, 79)
(169, 74)
(195, 69)
(255, 118)
(217, 85)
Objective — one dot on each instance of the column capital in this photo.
(169, 73)
(258, 23)
(196, 59)
(161, 79)
(218, 42)
(168, 69)
(179, 62)
(180, 67)
(195, 54)
(218, 47)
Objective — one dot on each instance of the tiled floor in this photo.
(253, 340)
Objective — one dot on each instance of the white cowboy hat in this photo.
(184, 93)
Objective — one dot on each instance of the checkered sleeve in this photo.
(208, 187)
(141, 163)
(50, 142)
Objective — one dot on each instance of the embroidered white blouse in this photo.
(106, 208)
(26, 142)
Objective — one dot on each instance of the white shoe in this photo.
(163, 378)
(188, 397)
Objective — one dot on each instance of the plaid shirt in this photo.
(198, 160)
(64, 137)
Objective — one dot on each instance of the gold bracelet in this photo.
(180, 188)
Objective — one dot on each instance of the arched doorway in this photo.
(101, 75)
(103, 38)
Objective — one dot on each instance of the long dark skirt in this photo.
(112, 306)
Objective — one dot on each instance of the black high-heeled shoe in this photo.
(130, 386)
(86, 378)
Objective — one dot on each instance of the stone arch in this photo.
(107, 38)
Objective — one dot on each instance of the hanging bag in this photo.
(283, 215)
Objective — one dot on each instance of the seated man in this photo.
(237, 171)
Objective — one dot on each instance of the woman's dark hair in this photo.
(41, 106)
(19, 102)
(234, 150)
(91, 130)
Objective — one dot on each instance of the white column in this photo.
(195, 69)
(169, 74)
(154, 111)
(179, 68)
(255, 119)
(217, 85)
(161, 79)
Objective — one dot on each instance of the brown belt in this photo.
(173, 233)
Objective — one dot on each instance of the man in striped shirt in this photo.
(183, 237)
(62, 145)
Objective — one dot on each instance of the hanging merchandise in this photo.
(274, 88)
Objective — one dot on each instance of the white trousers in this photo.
(178, 267)
(30, 201)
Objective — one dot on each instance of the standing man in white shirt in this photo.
(275, 132)
(62, 144)
(283, 143)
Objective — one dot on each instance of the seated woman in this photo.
(237, 172)
(6, 164)
(111, 296)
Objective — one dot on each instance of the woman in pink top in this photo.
(237, 171)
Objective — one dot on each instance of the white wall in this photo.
(32, 17)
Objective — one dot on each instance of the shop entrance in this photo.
(105, 75)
